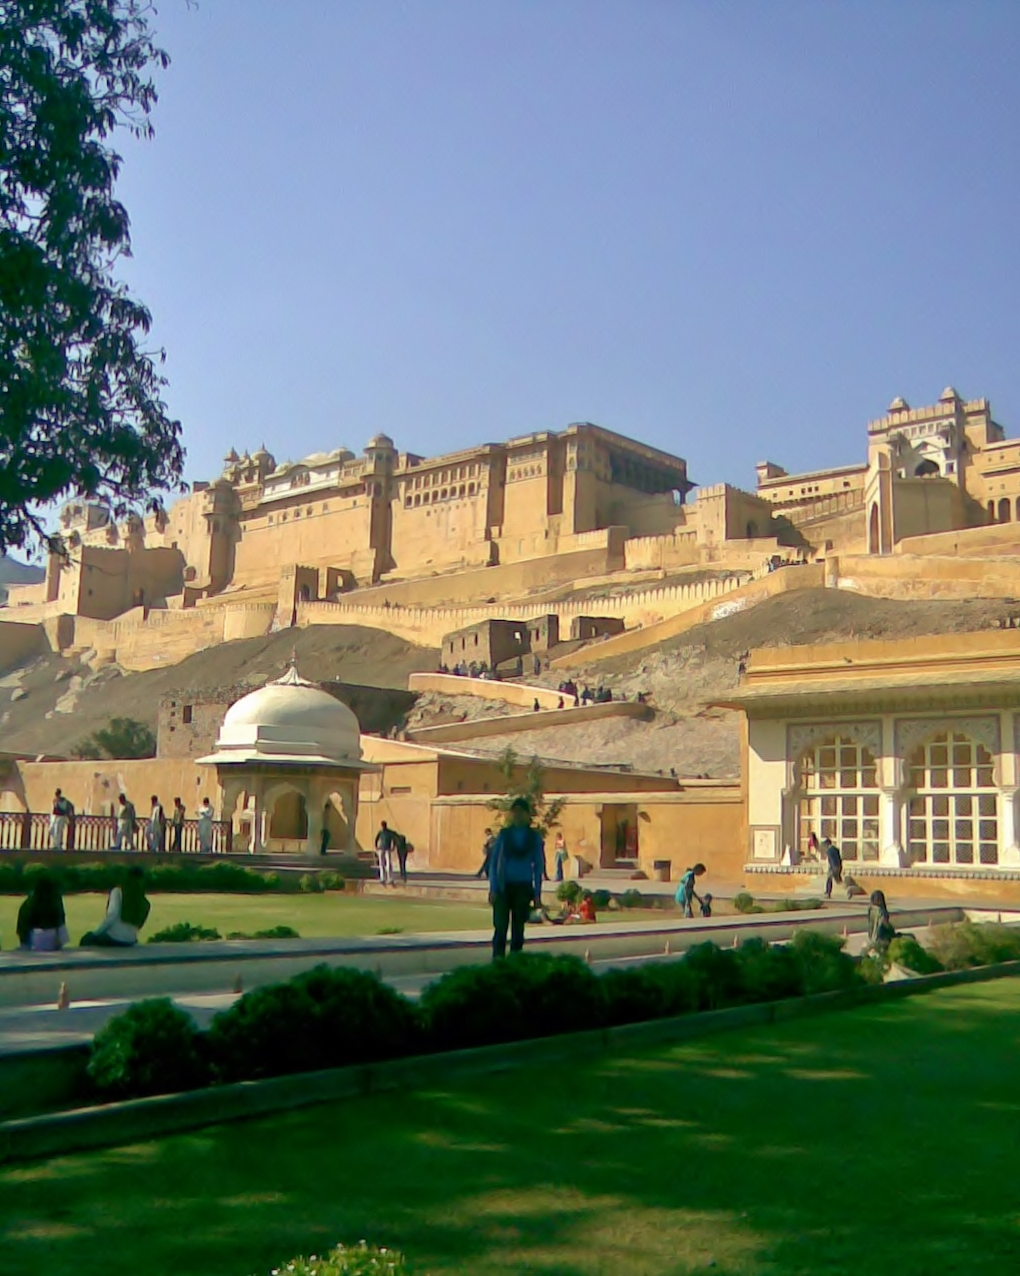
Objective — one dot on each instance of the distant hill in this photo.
(14, 573)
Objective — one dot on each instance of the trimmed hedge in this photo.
(152, 1048)
(324, 1018)
(184, 933)
(967, 944)
(333, 1017)
(224, 878)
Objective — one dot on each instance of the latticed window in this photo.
(953, 813)
(839, 797)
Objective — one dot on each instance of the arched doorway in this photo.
(752, 531)
(289, 818)
(926, 469)
(1004, 510)
(874, 531)
(335, 822)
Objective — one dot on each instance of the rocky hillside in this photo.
(51, 703)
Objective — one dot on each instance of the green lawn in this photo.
(332, 914)
(878, 1140)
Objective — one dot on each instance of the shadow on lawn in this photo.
(878, 1139)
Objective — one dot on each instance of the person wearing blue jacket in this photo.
(516, 870)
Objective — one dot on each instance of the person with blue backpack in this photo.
(516, 870)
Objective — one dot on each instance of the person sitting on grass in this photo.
(41, 925)
(126, 912)
(685, 892)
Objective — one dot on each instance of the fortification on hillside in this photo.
(515, 530)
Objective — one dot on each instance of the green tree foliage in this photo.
(80, 396)
(527, 782)
(120, 738)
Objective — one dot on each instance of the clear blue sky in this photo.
(731, 230)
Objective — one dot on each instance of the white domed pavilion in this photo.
(290, 754)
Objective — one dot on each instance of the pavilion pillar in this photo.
(1009, 785)
(890, 799)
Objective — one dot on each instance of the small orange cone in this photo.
(63, 997)
(238, 984)
(587, 955)
(667, 950)
(846, 933)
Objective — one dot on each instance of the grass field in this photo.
(332, 914)
(877, 1140)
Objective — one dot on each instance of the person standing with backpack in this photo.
(516, 870)
(834, 860)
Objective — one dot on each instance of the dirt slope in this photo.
(682, 674)
(48, 705)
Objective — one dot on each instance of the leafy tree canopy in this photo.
(80, 396)
(527, 782)
(120, 738)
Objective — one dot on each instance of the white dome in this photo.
(289, 720)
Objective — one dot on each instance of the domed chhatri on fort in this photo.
(288, 760)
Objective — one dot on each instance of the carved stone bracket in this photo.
(910, 732)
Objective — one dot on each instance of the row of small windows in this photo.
(440, 477)
(440, 494)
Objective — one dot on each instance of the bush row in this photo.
(357, 1260)
(329, 1018)
(16, 878)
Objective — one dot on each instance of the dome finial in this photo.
(291, 678)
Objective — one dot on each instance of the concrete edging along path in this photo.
(85, 1129)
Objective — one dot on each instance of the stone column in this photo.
(891, 778)
(1009, 785)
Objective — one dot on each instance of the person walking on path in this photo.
(383, 849)
(403, 849)
(126, 820)
(156, 832)
(834, 861)
(177, 824)
(560, 858)
(205, 827)
(59, 821)
(685, 892)
(516, 869)
(487, 846)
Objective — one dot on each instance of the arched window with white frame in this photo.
(953, 811)
(839, 797)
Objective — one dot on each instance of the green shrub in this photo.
(795, 905)
(767, 972)
(309, 883)
(716, 976)
(872, 967)
(224, 877)
(569, 892)
(323, 1018)
(332, 881)
(525, 996)
(633, 995)
(826, 967)
(184, 933)
(152, 1048)
(601, 899)
(967, 944)
(361, 1260)
(905, 951)
(743, 902)
(273, 932)
(632, 899)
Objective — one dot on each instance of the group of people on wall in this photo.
(42, 922)
(157, 832)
